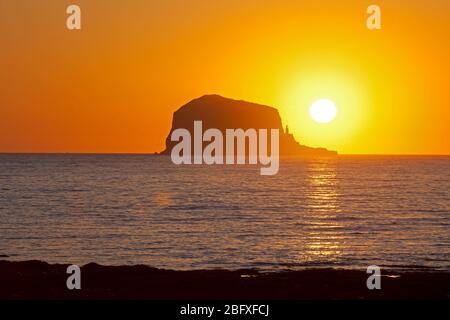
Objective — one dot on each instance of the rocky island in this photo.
(222, 113)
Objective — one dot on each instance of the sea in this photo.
(347, 212)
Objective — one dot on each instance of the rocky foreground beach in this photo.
(40, 280)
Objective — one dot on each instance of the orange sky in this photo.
(113, 86)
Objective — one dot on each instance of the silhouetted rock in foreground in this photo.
(39, 280)
(222, 113)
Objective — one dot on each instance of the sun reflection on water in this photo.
(323, 236)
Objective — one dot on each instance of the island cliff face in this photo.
(222, 113)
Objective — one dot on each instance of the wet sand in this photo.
(39, 280)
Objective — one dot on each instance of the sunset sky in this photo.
(113, 86)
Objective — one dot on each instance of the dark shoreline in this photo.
(40, 280)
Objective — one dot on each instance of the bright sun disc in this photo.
(323, 111)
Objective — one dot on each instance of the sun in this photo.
(323, 111)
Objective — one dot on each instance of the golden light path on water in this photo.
(323, 238)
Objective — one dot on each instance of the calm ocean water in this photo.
(349, 212)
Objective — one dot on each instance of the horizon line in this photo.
(159, 153)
